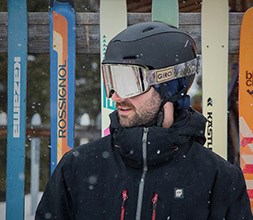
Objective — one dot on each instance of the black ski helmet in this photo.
(154, 45)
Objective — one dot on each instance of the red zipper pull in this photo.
(123, 208)
(154, 201)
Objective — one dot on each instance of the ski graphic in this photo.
(246, 100)
(62, 78)
(166, 11)
(17, 66)
(113, 19)
(214, 32)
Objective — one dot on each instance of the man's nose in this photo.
(116, 98)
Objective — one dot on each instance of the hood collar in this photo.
(162, 144)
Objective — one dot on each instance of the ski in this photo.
(214, 32)
(246, 100)
(62, 77)
(233, 129)
(113, 19)
(16, 138)
(166, 11)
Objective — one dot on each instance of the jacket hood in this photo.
(162, 144)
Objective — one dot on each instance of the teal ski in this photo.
(166, 11)
(17, 65)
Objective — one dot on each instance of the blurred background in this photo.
(87, 85)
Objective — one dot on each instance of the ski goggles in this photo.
(129, 80)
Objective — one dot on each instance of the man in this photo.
(153, 165)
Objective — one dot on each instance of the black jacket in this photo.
(146, 173)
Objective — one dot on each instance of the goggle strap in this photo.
(158, 76)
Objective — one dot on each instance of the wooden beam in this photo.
(139, 5)
(91, 132)
(87, 30)
(190, 6)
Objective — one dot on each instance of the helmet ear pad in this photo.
(174, 91)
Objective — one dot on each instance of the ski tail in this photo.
(166, 11)
(107, 32)
(215, 19)
(62, 78)
(17, 78)
(246, 100)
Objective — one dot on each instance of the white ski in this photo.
(214, 32)
(113, 19)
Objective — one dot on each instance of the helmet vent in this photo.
(147, 29)
(130, 57)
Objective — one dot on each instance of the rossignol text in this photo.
(62, 100)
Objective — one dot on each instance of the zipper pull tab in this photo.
(154, 201)
(123, 208)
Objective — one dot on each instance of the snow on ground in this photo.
(28, 211)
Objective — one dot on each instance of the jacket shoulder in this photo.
(208, 157)
(90, 148)
(226, 174)
(89, 153)
(229, 194)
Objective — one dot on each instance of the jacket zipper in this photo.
(123, 206)
(144, 172)
(154, 201)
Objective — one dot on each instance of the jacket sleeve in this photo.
(56, 200)
(240, 205)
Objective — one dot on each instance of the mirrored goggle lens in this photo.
(126, 80)
(131, 80)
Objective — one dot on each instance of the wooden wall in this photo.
(184, 5)
(87, 30)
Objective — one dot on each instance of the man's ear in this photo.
(168, 118)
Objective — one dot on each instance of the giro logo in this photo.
(249, 82)
(16, 97)
(164, 75)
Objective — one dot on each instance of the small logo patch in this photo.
(178, 193)
(164, 75)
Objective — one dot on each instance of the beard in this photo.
(141, 115)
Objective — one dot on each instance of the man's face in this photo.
(138, 110)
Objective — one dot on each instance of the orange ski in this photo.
(246, 100)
